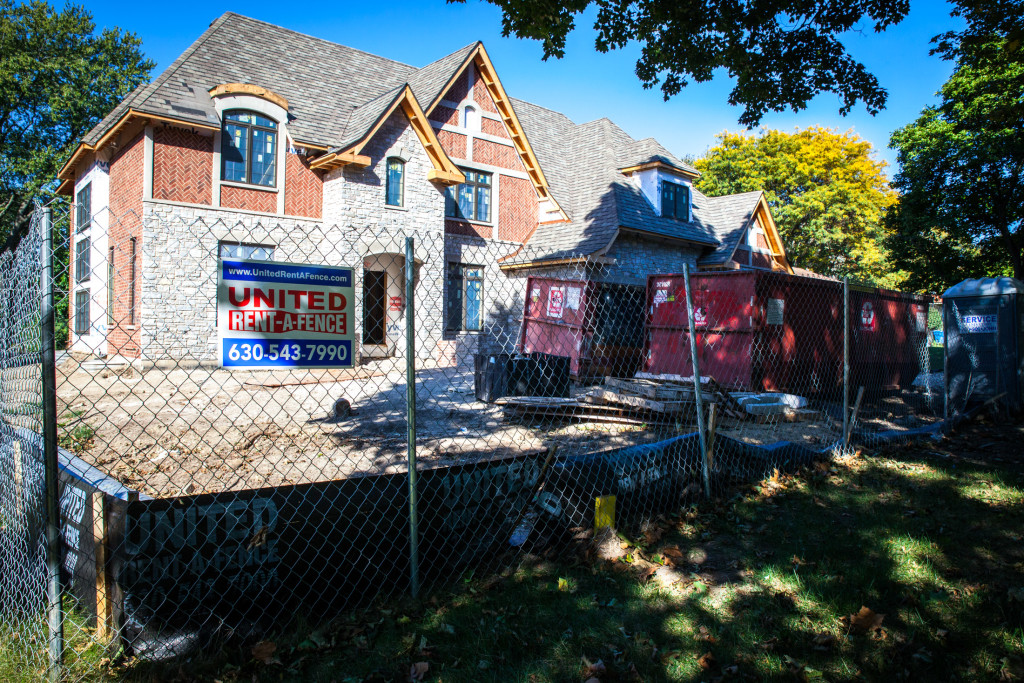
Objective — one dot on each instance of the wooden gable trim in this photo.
(629, 170)
(249, 89)
(444, 169)
(772, 232)
(485, 68)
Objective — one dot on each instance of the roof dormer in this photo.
(669, 188)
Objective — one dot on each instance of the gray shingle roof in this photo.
(725, 217)
(237, 49)
(582, 165)
(336, 94)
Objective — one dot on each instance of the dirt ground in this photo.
(174, 431)
(168, 432)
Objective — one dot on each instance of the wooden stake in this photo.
(712, 427)
(853, 418)
(104, 586)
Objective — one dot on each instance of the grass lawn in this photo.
(899, 564)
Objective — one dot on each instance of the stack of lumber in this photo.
(582, 410)
(643, 395)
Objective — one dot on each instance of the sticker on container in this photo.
(700, 317)
(868, 320)
(776, 311)
(572, 298)
(556, 301)
(664, 284)
(979, 324)
(660, 296)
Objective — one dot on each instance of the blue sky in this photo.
(585, 84)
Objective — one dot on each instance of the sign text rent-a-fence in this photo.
(284, 315)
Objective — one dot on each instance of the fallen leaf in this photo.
(866, 620)
(706, 660)
(824, 642)
(705, 635)
(594, 670)
(263, 651)
(417, 671)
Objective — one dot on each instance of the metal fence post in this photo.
(705, 468)
(50, 466)
(846, 364)
(410, 392)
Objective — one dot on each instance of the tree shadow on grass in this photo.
(757, 587)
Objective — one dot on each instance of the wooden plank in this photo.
(712, 429)
(640, 402)
(104, 582)
(649, 389)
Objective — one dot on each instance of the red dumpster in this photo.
(598, 325)
(888, 337)
(756, 330)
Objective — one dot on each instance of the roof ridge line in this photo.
(318, 39)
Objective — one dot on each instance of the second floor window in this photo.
(394, 182)
(83, 208)
(675, 201)
(82, 260)
(248, 149)
(470, 200)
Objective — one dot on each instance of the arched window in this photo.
(472, 118)
(394, 182)
(248, 149)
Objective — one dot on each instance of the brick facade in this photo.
(232, 197)
(453, 144)
(517, 209)
(481, 96)
(495, 128)
(494, 154)
(126, 179)
(515, 204)
(447, 115)
(182, 165)
(454, 226)
(303, 188)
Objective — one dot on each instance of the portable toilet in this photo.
(983, 326)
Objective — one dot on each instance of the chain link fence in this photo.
(259, 419)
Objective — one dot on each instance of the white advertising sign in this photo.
(979, 323)
(283, 315)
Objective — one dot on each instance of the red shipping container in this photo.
(888, 337)
(599, 326)
(756, 330)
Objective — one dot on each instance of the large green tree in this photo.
(962, 162)
(781, 53)
(827, 192)
(58, 77)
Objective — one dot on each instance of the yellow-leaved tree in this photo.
(827, 191)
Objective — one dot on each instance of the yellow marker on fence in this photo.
(604, 512)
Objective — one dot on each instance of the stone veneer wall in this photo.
(503, 296)
(179, 272)
(636, 258)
